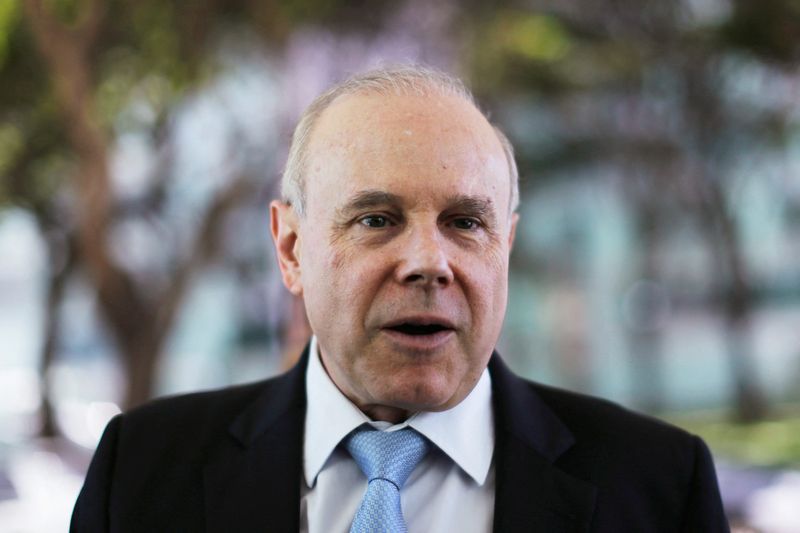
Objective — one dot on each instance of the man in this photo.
(396, 227)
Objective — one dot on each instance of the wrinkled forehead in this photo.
(390, 137)
(361, 115)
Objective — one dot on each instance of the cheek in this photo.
(498, 268)
(337, 257)
(322, 259)
(488, 285)
(348, 279)
(339, 251)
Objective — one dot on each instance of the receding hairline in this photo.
(401, 81)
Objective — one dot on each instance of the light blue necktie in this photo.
(387, 458)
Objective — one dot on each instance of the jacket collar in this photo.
(253, 481)
(532, 492)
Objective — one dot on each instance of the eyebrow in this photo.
(473, 205)
(371, 198)
(366, 200)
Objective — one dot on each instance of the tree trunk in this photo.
(737, 305)
(55, 293)
(140, 359)
(139, 315)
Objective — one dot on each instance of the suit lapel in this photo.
(252, 483)
(532, 493)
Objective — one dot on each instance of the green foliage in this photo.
(34, 163)
(11, 141)
(533, 52)
(9, 18)
(771, 443)
(23, 80)
(68, 11)
(144, 59)
(148, 52)
(299, 11)
(533, 36)
(156, 41)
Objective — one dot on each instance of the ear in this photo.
(284, 224)
(512, 231)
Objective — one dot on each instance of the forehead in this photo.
(407, 144)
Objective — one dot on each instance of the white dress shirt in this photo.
(452, 489)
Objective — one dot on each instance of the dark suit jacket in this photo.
(230, 461)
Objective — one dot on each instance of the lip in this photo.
(420, 343)
(421, 319)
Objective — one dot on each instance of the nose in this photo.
(425, 261)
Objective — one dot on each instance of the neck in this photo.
(385, 413)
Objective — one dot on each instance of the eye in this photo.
(374, 221)
(468, 224)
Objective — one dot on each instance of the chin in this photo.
(419, 394)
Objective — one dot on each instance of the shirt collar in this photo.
(464, 433)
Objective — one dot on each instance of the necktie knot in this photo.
(390, 455)
(387, 458)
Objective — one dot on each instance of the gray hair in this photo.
(407, 79)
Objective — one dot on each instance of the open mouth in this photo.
(420, 334)
(418, 329)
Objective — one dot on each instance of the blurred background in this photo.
(657, 261)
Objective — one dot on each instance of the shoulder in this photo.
(208, 409)
(200, 422)
(592, 435)
(620, 441)
(205, 406)
(586, 422)
(604, 421)
(185, 426)
(641, 467)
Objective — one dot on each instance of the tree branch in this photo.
(204, 246)
(50, 34)
(65, 55)
(91, 24)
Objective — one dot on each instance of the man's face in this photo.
(402, 254)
